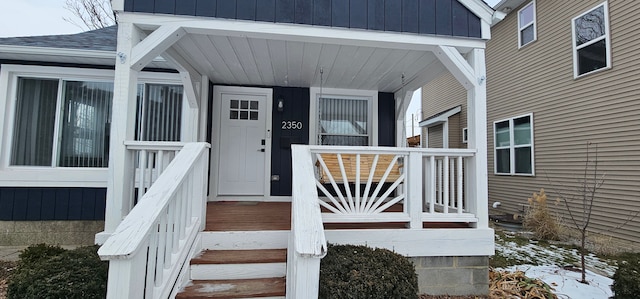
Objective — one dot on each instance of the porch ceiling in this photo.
(237, 60)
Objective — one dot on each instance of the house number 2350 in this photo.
(291, 125)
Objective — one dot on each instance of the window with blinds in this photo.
(159, 112)
(60, 123)
(85, 124)
(343, 121)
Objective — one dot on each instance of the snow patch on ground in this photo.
(547, 264)
(566, 283)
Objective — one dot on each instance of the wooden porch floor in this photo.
(251, 216)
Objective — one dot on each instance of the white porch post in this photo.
(477, 132)
(120, 175)
(471, 73)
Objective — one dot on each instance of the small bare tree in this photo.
(589, 182)
(94, 14)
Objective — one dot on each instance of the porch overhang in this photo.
(440, 117)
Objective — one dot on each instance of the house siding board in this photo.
(165, 6)
(297, 103)
(266, 10)
(206, 8)
(37, 204)
(459, 19)
(441, 94)
(186, 7)
(375, 14)
(358, 14)
(393, 9)
(322, 13)
(386, 119)
(285, 11)
(427, 22)
(226, 9)
(339, 14)
(442, 17)
(304, 12)
(435, 136)
(246, 10)
(410, 16)
(602, 108)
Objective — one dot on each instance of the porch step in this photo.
(239, 264)
(235, 289)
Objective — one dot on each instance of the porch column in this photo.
(120, 175)
(477, 177)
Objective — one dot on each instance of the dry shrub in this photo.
(538, 218)
(515, 285)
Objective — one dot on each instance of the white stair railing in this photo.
(307, 243)
(150, 247)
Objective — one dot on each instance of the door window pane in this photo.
(34, 122)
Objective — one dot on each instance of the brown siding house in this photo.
(561, 75)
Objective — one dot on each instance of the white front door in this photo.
(243, 146)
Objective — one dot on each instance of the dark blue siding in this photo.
(296, 108)
(358, 15)
(35, 204)
(322, 12)
(246, 9)
(442, 17)
(459, 19)
(375, 15)
(186, 7)
(340, 13)
(304, 12)
(226, 9)
(165, 6)
(410, 17)
(206, 8)
(392, 11)
(285, 11)
(386, 119)
(427, 24)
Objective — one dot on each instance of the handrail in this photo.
(157, 234)
(307, 244)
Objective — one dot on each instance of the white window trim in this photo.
(512, 147)
(534, 23)
(606, 36)
(370, 95)
(49, 176)
(465, 135)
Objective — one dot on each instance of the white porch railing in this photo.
(368, 185)
(150, 247)
(151, 158)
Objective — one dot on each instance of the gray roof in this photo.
(104, 39)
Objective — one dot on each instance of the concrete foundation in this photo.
(453, 275)
(21, 233)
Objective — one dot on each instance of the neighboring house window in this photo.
(527, 24)
(82, 124)
(159, 112)
(343, 121)
(465, 135)
(514, 146)
(591, 42)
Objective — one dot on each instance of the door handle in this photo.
(261, 150)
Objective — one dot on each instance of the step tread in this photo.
(209, 257)
(229, 289)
